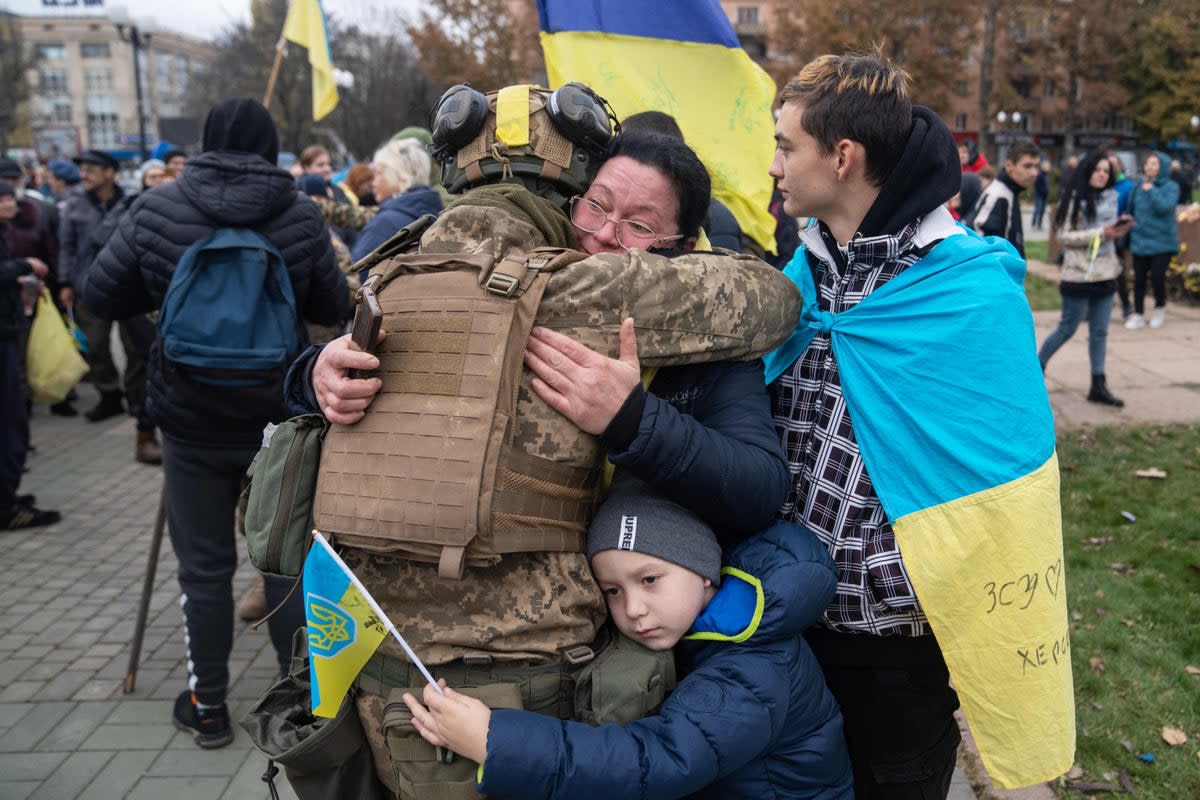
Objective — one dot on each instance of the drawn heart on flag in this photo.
(1054, 577)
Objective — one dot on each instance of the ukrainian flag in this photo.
(343, 629)
(940, 374)
(305, 25)
(681, 57)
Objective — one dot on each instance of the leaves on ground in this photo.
(1150, 472)
(1097, 664)
(1173, 736)
(1190, 670)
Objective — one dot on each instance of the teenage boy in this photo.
(897, 437)
(998, 212)
(752, 717)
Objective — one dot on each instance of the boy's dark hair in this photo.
(1022, 148)
(860, 97)
(657, 121)
(679, 164)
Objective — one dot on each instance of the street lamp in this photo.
(1007, 120)
(137, 34)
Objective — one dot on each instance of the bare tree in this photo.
(487, 43)
(928, 39)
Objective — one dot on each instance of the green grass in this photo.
(1134, 598)
(1037, 250)
(1041, 293)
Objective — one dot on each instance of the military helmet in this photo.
(524, 133)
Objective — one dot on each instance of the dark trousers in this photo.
(1039, 210)
(898, 709)
(136, 336)
(202, 488)
(14, 423)
(1155, 268)
(1123, 279)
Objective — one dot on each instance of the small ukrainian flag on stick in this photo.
(345, 627)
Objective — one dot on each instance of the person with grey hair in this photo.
(401, 187)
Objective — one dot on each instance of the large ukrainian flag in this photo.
(950, 411)
(681, 57)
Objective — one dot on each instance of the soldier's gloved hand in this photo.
(343, 399)
(584, 386)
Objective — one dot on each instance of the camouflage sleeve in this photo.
(688, 309)
(345, 215)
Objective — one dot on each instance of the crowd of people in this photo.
(765, 557)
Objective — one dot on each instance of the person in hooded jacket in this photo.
(1154, 238)
(751, 716)
(211, 433)
(875, 171)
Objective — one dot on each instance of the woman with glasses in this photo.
(672, 425)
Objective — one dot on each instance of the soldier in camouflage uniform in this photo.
(514, 620)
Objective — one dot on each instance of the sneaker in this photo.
(210, 727)
(1135, 321)
(1158, 318)
(26, 516)
(147, 450)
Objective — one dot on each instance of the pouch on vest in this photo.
(430, 473)
(277, 518)
(422, 771)
(624, 682)
(324, 759)
(229, 313)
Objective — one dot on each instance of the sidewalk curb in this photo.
(972, 765)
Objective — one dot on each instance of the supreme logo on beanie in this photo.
(639, 519)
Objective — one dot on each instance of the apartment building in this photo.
(83, 92)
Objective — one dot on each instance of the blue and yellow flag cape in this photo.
(940, 374)
(683, 58)
(305, 25)
(343, 630)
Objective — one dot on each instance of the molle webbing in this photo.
(431, 472)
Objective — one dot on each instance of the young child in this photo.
(752, 717)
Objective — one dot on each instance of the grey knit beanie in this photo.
(640, 519)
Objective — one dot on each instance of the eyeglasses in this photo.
(589, 216)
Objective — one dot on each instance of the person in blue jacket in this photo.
(752, 716)
(401, 187)
(1154, 238)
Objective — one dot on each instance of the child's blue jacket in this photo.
(752, 718)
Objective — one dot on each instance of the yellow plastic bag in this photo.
(52, 361)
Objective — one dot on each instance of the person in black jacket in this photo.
(211, 433)
(16, 511)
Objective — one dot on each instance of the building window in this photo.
(102, 131)
(98, 79)
(162, 68)
(1048, 89)
(94, 50)
(963, 88)
(53, 81)
(56, 109)
(747, 15)
(48, 51)
(101, 104)
(960, 122)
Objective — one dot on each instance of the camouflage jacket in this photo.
(692, 308)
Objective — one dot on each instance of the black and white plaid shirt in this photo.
(831, 491)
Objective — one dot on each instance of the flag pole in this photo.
(378, 611)
(280, 46)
